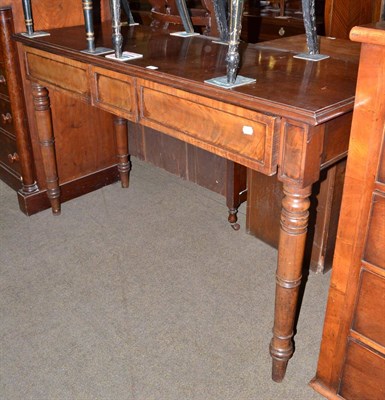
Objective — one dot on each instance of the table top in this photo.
(312, 92)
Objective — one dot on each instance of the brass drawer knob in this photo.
(13, 158)
(2, 79)
(6, 118)
(281, 32)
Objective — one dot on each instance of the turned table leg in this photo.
(294, 221)
(47, 144)
(124, 164)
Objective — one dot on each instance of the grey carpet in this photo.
(142, 294)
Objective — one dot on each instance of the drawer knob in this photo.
(13, 158)
(2, 79)
(247, 130)
(281, 32)
(6, 118)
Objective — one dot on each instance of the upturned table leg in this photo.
(124, 164)
(294, 221)
(47, 144)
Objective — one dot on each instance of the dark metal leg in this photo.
(127, 10)
(117, 38)
(89, 26)
(221, 18)
(27, 10)
(308, 9)
(47, 144)
(184, 15)
(232, 59)
(28, 16)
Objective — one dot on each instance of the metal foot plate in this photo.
(126, 56)
(98, 51)
(222, 82)
(311, 57)
(184, 34)
(35, 34)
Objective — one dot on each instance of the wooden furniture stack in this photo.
(352, 358)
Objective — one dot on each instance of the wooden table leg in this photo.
(294, 220)
(124, 164)
(47, 143)
(236, 192)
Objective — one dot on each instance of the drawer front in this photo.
(114, 93)
(3, 81)
(241, 135)
(363, 375)
(275, 31)
(369, 317)
(374, 247)
(60, 72)
(8, 153)
(6, 118)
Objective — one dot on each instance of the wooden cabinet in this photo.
(9, 157)
(352, 357)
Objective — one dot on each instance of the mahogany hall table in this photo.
(294, 121)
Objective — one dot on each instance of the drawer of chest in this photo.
(3, 81)
(363, 374)
(238, 134)
(374, 245)
(276, 30)
(8, 153)
(369, 319)
(6, 119)
(61, 72)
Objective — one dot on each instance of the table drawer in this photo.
(60, 72)
(239, 134)
(6, 118)
(8, 153)
(114, 92)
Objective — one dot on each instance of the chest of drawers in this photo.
(352, 358)
(9, 157)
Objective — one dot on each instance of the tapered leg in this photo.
(124, 164)
(294, 221)
(47, 143)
